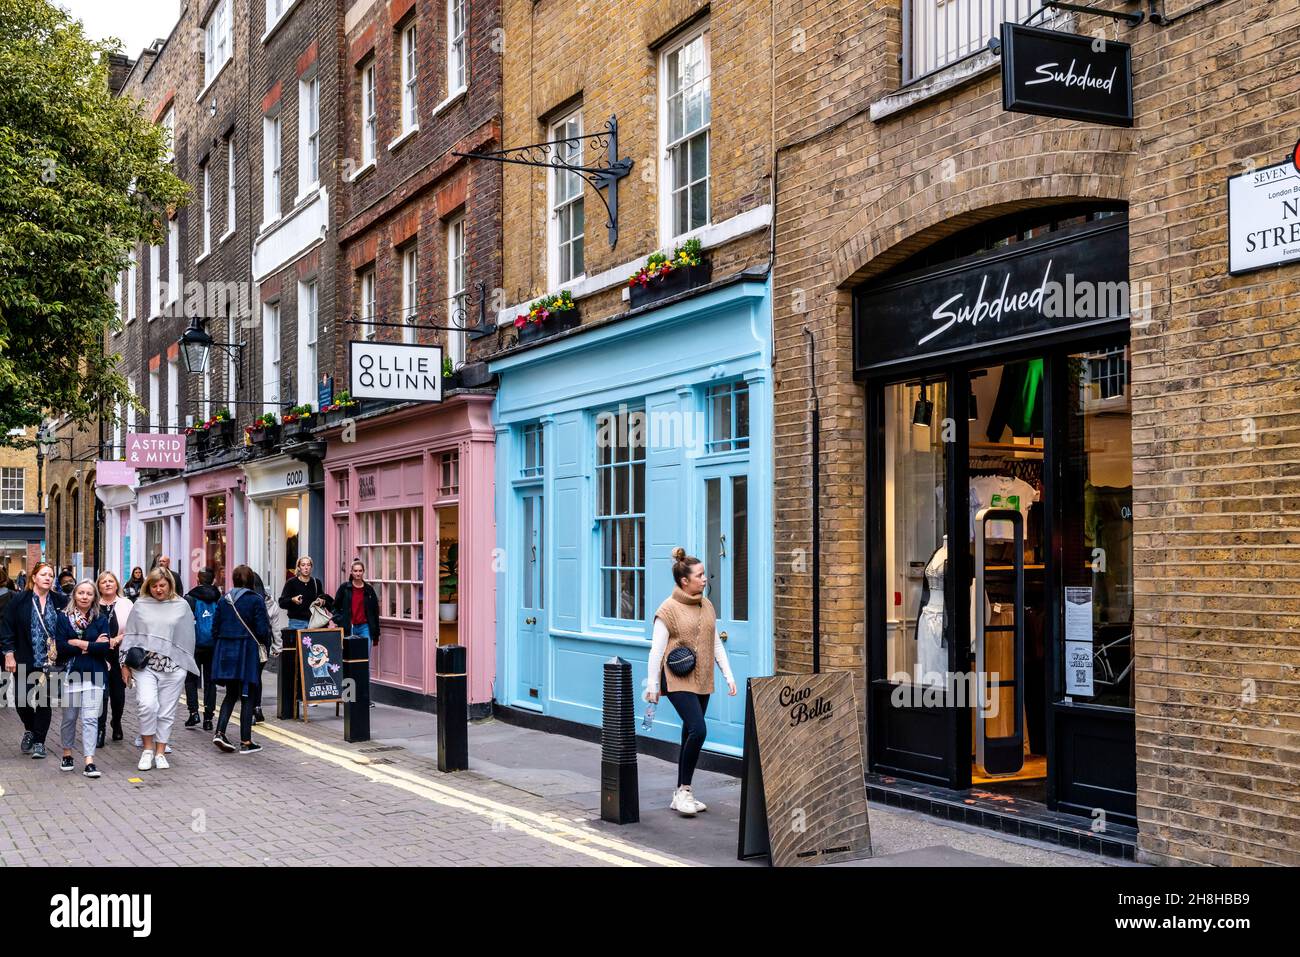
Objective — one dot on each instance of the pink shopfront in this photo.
(412, 496)
(218, 537)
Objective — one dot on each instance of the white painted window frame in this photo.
(554, 257)
(667, 231)
(456, 283)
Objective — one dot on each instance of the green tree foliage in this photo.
(83, 177)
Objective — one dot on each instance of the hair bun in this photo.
(679, 554)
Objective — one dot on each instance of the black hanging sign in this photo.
(1067, 280)
(1066, 75)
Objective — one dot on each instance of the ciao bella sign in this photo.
(1066, 280)
(1066, 75)
(395, 372)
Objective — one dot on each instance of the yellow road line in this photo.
(583, 840)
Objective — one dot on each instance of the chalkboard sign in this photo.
(320, 665)
(803, 798)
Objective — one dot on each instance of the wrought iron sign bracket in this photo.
(551, 155)
(458, 318)
(1133, 19)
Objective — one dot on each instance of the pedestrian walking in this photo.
(67, 581)
(134, 584)
(684, 649)
(356, 606)
(302, 593)
(203, 599)
(27, 641)
(7, 589)
(117, 610)
(83, 643)
(165, 563)
(243, 635)
(158, 651)
(21, 580)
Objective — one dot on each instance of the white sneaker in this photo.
(160, 762)
(699, 805)
(146, 761)
(683, 803)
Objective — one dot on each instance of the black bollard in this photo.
(356, 706)
(286, 704)
(453, 709)
(620, 800)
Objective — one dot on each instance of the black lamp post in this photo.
(196, 346)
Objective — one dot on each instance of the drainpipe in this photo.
(815, 428)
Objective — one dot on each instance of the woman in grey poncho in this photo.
(162, 624)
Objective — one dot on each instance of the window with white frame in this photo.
(456, 304)
(308, 134)
(155, 399)
(368, 330)
(568, 215)
(532, 463)
(308, 332)
(117, 296)
(687, 107)
(230, 185)
(945, 31)
(169, 124)
(207, 208)
(155, 277)
(369, 113)
(410, 75)
(130, 406)
(173, 394)
(270, 168)
(12, 489)
(456, 46)
(271, 357)
(231, 332)
(727, 413)
(218, 41)
(391, 544)
(449, 473)
(275, 9)
(620, 513)
(410, 291)
(173, 259)
(130, 287)
(117, 431)
(207, 392)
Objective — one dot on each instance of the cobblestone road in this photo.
(307, 799)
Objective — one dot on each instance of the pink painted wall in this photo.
(401, 454)
(197, 488)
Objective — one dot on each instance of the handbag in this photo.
(135, 658)
(681, 661)
(320, 618)
(262, 652)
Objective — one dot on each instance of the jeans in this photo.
(156, 695)
(203, 658)
(690, 708)
(363, 630)
(82, 708)
(299, 623)
(35, 712)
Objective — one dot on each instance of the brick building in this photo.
(1164, 449)
(22, 518)
(589, 506)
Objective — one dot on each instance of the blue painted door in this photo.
(726, 513)
(531, 625)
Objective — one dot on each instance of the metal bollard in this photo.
(286, 703)
(620, 800)
(356, 666)
(453, 709)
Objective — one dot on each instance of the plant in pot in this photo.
(265, 430)
(448, 583)
(666, 275)
(221, 428)
(299, 420)
(547, 316)
(342, 406)
(196, 437)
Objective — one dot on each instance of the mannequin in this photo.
(932, 620)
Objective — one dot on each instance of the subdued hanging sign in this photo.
(395, 371)
(1066, 75)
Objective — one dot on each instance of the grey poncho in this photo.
(164, 627)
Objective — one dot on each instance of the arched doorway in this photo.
(1000, 650)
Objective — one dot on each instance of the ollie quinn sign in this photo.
(397, 372)
(1063, 74)
(1264, 218)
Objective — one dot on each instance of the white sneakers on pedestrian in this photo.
(699, 805)
(146, 760)
(139, 743)
(684, 803)
(160, 762)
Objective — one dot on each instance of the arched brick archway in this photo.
(984, 182)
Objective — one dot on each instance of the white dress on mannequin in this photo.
(931, 653)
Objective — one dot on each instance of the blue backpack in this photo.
(204, 613)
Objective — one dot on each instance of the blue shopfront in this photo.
(617, 442)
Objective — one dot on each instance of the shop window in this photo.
(1106, 375)
(620, 513)
(11, 490)
(449, 473)
(727, 410)
(532, 461)
(214, 535)
(391, 544)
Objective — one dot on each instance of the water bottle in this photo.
(647, 722)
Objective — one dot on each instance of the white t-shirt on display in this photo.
(1000, 491)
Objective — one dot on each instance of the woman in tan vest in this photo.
(686, 620)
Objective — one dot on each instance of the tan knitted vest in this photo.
(692, 623)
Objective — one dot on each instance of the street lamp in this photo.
(196, 345)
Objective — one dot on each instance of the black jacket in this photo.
(343, 609)
(16, 624)
(309, 591)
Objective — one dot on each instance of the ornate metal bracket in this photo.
(551, 155)
(458, 319)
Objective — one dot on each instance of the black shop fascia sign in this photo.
(1066, 75)
(1066, 284)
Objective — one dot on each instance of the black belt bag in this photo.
(681, 661)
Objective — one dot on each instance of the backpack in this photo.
(204, 612)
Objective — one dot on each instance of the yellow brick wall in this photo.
(24, 459)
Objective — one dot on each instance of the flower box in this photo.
(196, 441)
(223, 432)
(300, 427)
(671, 283)
(266, 437)
(556, 323)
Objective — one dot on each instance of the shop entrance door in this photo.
(726, 562)
(531, 665)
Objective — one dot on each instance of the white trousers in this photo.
(156, 694)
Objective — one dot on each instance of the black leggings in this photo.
(232, 698)
(115, 700)
(690, 708)
(35, 711)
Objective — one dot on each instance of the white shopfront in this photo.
(278, 503)
(159, 527)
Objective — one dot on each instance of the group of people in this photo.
(79, 645)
